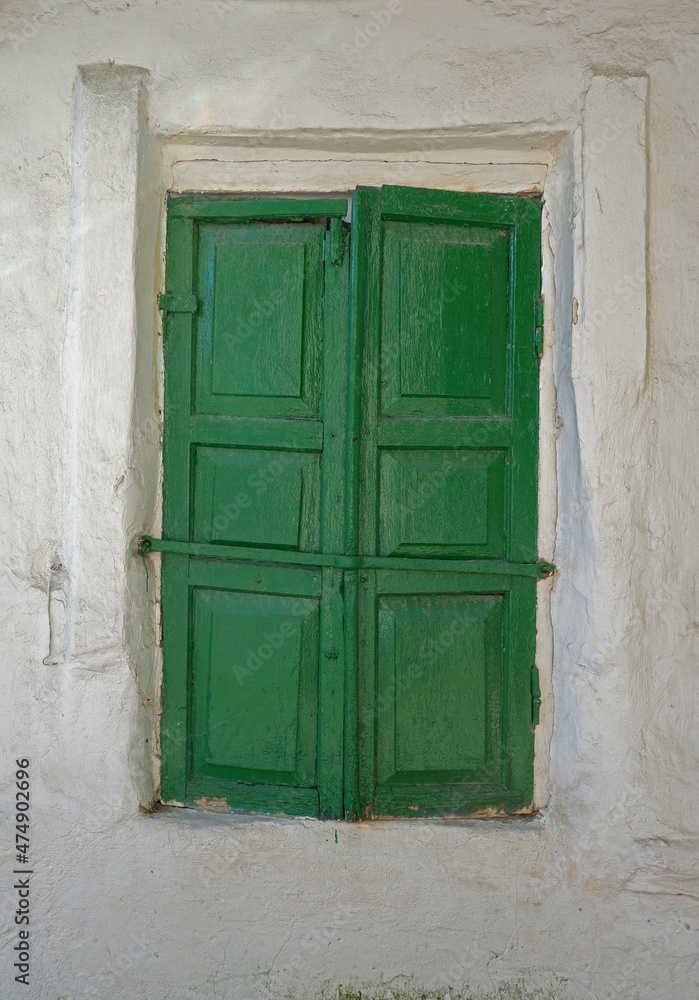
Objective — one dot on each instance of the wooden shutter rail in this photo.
(241, 553)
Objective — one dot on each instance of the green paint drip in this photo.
(335, 836)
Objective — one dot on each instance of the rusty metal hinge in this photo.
(178, 303)
(539, 333)
(536, 697)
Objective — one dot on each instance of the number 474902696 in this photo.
(22, 815)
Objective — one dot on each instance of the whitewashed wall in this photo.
(109, 104)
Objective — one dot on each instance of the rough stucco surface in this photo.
(597, 897)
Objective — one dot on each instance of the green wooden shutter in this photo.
(448, 470)
(350, 494)
(254, 448)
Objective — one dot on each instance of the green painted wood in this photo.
(175, 739)
(438, 502)
(331, 697)
(352, 801)
(255, 578)
(334, 396)
(260, 329)
(482, 433)
(445, 317)
(449, 445)
(332, 521)
(370, 280)
(174, 727)
(443, 652)
(280, 800)
(212, 208)
(295, 435)
(177, 362)
(258, 497)
(367, 714)
(452, 698)
(524, 476)
(351, 447)
(253, 686)
(408, 203)
(254, 697)
(254, 462)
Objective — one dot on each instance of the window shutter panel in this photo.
(449, 437)
(250, 711)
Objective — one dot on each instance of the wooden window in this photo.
(350, 503)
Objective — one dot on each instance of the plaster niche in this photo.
(122, 173)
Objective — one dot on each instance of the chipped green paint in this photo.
(367, 421)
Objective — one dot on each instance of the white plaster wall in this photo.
(599, 103)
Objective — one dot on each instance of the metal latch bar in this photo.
(239, 553)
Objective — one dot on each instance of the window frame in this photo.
(217, 208)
